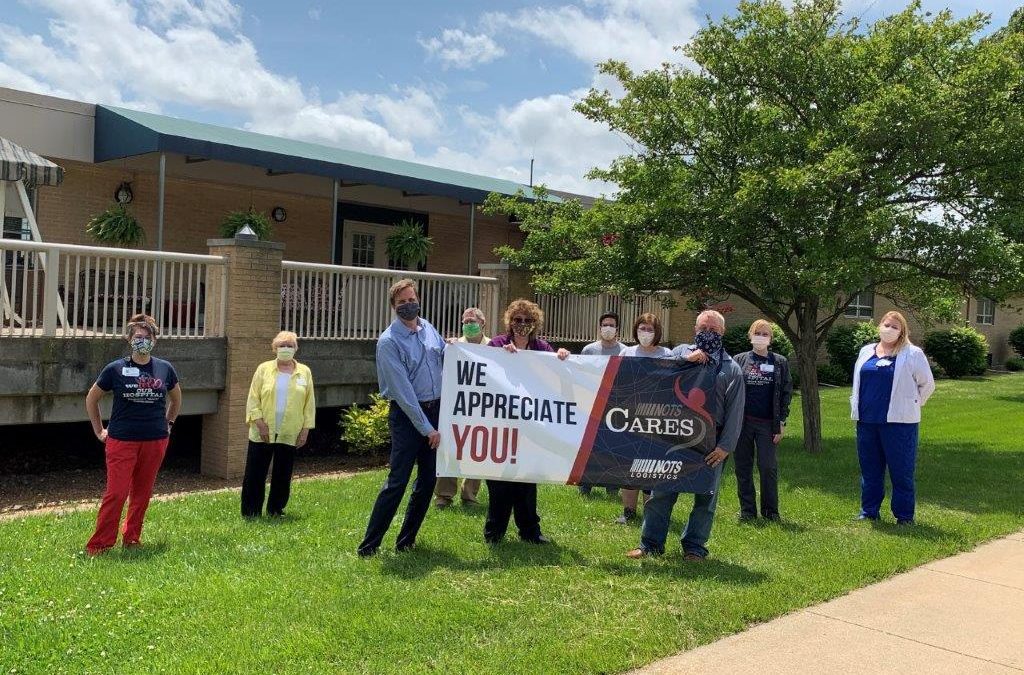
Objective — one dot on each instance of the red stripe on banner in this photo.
(595, 420)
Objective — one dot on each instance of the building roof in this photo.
(125, 133)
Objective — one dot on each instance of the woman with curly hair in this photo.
(523, 320)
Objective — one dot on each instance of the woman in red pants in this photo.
(147, 399)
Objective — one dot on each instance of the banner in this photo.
(603, 420)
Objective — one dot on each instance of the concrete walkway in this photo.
(964, 614)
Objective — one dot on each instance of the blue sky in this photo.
(478, 85)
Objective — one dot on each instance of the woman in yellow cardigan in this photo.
(280, 412)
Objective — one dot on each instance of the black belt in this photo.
(430, 405)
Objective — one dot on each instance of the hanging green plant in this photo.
(257, 220)
(116, 226)
(409, 245)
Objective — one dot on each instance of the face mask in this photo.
(408, 311)
(889, 334)
(522, 329)
(142, 345)
(708, 341)
(471, 331)
(285, 353)
(646, 338)
(608, 332)
(760, 340)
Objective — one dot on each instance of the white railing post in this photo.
(51, 298)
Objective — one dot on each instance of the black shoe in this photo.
(366, 552)
(539, 539)
(905, 522)
(775, 518)
(404, 548)
(628, 516)
(493, 541)
(585, 490)
(865, 516)
(747, 517)
(275, 514)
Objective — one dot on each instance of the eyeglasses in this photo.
(522, 321)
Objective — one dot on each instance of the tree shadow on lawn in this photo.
(962, 476)
(1011, 399)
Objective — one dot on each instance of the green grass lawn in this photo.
(211, 593)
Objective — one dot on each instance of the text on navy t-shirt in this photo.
(140, 398)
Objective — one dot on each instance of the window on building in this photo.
(862, 306)
(986, 312)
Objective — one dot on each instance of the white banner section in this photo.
(519, 417)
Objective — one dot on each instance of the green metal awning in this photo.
(126, 133)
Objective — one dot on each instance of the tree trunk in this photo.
(807, 365)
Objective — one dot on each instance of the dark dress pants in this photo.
(257, 462)
(408, 448)
(755, 441)
(506, 498)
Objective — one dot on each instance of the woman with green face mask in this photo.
(280, 412)
(473, 325)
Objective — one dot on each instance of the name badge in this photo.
(129, 372)
(882, 363)
(767, 368)
(300, 381)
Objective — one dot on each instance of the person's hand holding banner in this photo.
(531, 417)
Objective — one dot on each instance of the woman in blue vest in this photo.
(891, 381)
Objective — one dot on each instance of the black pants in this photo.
(756, 438)
(257, 462)
(506, 498)
(408, 448)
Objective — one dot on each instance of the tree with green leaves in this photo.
(795, 158)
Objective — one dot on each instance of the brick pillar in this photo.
(253, 299)
(513, 283)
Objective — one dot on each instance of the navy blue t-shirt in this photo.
(140, 398)
(876, 376)
(759, 377)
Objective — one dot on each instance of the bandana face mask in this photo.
(708, 341)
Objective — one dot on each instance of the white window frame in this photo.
(986, 312)
(381, 232)
(859, 303)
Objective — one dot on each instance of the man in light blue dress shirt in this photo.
(409, 358)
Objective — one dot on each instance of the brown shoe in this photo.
(693, 557)
(638, 553)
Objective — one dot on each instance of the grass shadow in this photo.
(509, 554)
(673, 565)
(135, 554)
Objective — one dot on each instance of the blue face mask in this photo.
(408, 311)
(708, 341)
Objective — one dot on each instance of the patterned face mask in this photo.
(142, 345)
(708, 341)
(408, 311)
(522, 329)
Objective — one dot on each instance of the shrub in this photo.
(844, 342)
(937, 372)
(959, 351)
(236, 220)
(366, 429)
(830, 373)
(1016, 340)
(1015, 364)
(736, 341)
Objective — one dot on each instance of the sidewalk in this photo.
(964, 614)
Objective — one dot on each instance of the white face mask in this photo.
(889, 334)
(608, 332)
(760, 340)
(285, 353)
(646, 339)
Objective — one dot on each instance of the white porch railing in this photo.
(575, 318)
(334, 302)
(66, 290)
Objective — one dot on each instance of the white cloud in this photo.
(314, 13)
(458, 49)
(639, 32)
